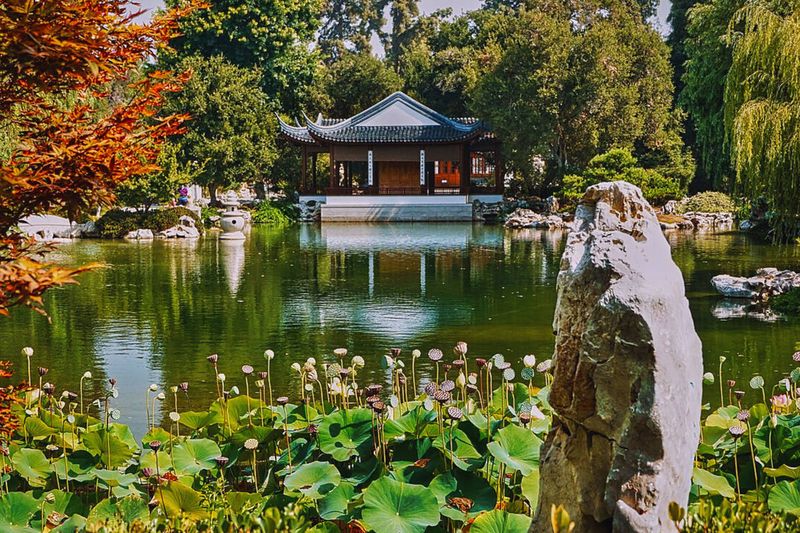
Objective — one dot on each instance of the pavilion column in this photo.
(332, 179)
(314, 171)
(499, 185)
(303, 172)
(466, 166)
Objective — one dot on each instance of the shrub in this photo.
(787, 303)
(618, 164)
(276, 212)
(707, 202)
(116, 223)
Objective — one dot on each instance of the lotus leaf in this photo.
(334, 506)
(501, 522)
(32, 465)
(180, 500)
(314, 480)
(530, 488)
(785, 497)
(127, 510)
(517, 448)
(464, 455)
(195, 420)
(346, 434)
(713, 484)
(462, 493)
(390, 505)
(16, 511)
(195, 455)
(413, 423)
(110, 448)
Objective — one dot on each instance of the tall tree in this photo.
(762, 109)
(230, 137)
(348, 25)
(59, 61)
(708, 60)
(678, 19)
(403, 14)
(273, 36)
(568, 81)
(356, 81)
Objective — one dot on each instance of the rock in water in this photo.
(627, 375)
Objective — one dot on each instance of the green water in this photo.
(158, 309)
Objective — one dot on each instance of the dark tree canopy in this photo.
(355, 82)
(230, 138)
(273, 36)
(350, 25)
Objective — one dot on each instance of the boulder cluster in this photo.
(766, 282)
(185, 229)
(528, 218)
(699, 221)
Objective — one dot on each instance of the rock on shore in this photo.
(765, 283)
(527, 218)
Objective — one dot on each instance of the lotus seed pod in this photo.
(27, 351)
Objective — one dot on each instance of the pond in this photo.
(159, 308)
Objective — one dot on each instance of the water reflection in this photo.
(160, 308)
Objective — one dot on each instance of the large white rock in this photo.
(140, 235)
(627, 373)
(733, 287)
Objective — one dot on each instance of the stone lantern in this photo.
(233, 220)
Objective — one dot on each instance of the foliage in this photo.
(60, 62)
(231, 135)
(336, 459)
(762, 110)
(708, 60)
(707, 202)
(380, 460)
(117, 223)
(619, 164)
(787, 303)
(272, 213)
(272, 37)
(158, 186)
(348, 25)
(356, 81)
(579, 88)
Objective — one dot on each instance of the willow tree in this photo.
(762, 109)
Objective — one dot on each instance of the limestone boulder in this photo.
(627, 373)
(733, 287)
(139, 235)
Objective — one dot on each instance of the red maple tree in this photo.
(62, 63)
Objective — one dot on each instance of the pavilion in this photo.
(397, 161)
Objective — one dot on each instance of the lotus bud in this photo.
(263, 375)
(461, 380)
(184, 386)
(395, 352)
(161, 396)
(311, 361)
(155, 445)
(221, 377)
(529, 360)
(42, 371)
(27, 351)
(357, 361)
(296, 367)
(416, 354)
(269, 354)
(153, 387)
(87, 375)
(460, 348)
(213, 358)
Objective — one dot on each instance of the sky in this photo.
(465, 5)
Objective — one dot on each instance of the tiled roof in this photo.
(395, 120)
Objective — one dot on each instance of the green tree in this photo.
(348, 25)
(619, 164)
(568, 81)
(403, 14)
(708, 60)
(762, 108)
(273, 36)
(230, 137)
(160, 186)
(356, 81)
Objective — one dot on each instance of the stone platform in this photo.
(434, 208)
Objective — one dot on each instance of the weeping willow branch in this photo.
(762, 109)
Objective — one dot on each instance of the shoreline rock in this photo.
(527, 218)
(766, 282)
